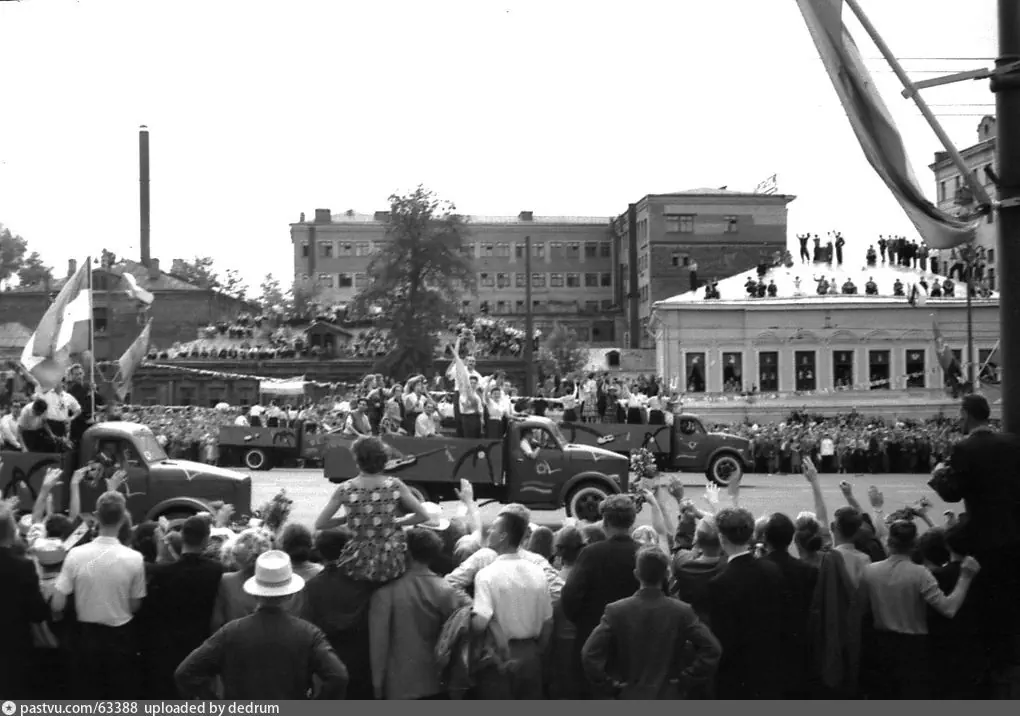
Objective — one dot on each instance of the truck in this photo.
(156, 486)
(684, 446)
(262, 448)
(562, 474)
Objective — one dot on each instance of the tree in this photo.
(233, 285)
(417, 278)
(272, 297)
(198, 271)
(12, 254)
(33, 271)
(561, 353)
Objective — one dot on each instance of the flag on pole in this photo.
(874, 126)
(135, 291)
(65, 330)
(944, 355)
(129, 362)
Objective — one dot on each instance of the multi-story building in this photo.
(662, 237)
(956, 198)
(573, 280)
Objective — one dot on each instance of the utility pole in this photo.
(971, 256)
(1006, 87)
(529, 324)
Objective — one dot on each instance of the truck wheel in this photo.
(724, 470)
(178, 516)
(419, 492)
(583, 501)
(256, 459)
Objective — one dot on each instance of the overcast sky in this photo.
(262, 110)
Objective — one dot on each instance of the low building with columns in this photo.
(797, 343)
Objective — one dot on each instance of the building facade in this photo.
(661, 238)
(956, 198)
(572, 266)
(800, 342)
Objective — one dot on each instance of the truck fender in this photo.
(589, 476)
(177, 504)
(725, 450)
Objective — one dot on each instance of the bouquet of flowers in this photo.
(274, 514)
(642, 464)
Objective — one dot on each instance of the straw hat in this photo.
(274, 576)
(436, 520)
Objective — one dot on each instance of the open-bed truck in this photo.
(561, 475)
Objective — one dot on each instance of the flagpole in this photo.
(92, 342)
(968, 176)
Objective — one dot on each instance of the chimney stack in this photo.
(143, 188)
(526, 216)
(323, 216)
(154, 272)
(72, 267)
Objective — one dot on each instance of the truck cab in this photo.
(156, 486)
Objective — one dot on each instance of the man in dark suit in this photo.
(984, 472)
(604, 572)
(798, 585)
(639, 648)
(746, 614)
(21, 605)
(177, 611)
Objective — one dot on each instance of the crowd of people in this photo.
(389, 599)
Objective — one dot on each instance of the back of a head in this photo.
(111, 509)
(932, 548)
(296, 541)
(618, 512)
(808, 535)
(59, 526)
(652, 566)
(735, 525)
(330, 543)
(779, 531)
(902, 536)
(958, 539)
(847, 522)
(706, 534)
(515, 527)
(541, 542)
(976, 406)
(592, 534)
(195, 532)
(518, 509)
(39, 406)
(645, 535)
(370, 454)
(423, 545)
(569, 543)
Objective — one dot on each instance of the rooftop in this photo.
(358, 218)
(163, 282)
(733, 292)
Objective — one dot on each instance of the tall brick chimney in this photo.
(143, 192)
(72, 267)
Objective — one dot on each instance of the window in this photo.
(521, 280)
(678, 260)
(501, 307)
(503, 250)
(186, 395)
(325, 280)
(731, 224)
(538, 280)
(519, 250)
(607, 304)
(606, 279)
(643, 291)
(695, 372)
(345, 280)
(304, 277)
(591, 250)
(556, 250)
(956, 184)
(100, 319)
(805, 372)
(768, 371)
(486, 280)
(538, 250)
(733, 372)
(573, 280)
(467, 251)
(942, 190)
(680, 223)
(606, 250)
(326, 249)
(990, 254)
(591, 280)
(583, 333)
(915, 369)
(878, 370)
(304, 249)
(487, 250)
(345, 249)
(483, 307)
(842, 369)
(465, 306)
(573, 250)
(363, 248)
(991, 278)
(537, 306)
(988, 365)
(519, 306)
(361, 280)
(591, 306)
(556, 280)
(503, 280)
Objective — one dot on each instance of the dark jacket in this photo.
(21, 605)
(639, 647)
(747, 620)
(835, 627)
(690, 580)
(462, 653)
(604, 574)
(799, 580)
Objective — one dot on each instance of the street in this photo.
(759, 493)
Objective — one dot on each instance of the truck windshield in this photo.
(150, 448)
(554, 429)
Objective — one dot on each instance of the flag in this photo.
(129, 362)
(874, 126)
(918, 296)
(135, 291)
(944, 355)
(63, 331)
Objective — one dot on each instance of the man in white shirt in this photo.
(10, 436)
(425, 423)
(826, 449)
(497, 407)
(846, 523)
(513, 592)
(255, 414)
(107, 580)
(61, 409)
(241, 421)
(357, 424)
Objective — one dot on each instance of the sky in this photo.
(259, 111)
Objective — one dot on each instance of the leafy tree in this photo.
(272, 295)
(198, 271)
(417, 278)
(12, 254)
(561, 353)
(233, 285)
(33, 271)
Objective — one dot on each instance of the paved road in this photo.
(759, 493)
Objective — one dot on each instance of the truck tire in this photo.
(178, 515)
(725, 469)
(583, 501)
(256, 459)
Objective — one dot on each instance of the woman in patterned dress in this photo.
(376, 507)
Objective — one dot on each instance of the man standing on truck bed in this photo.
(469, 396)
(88, 399)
